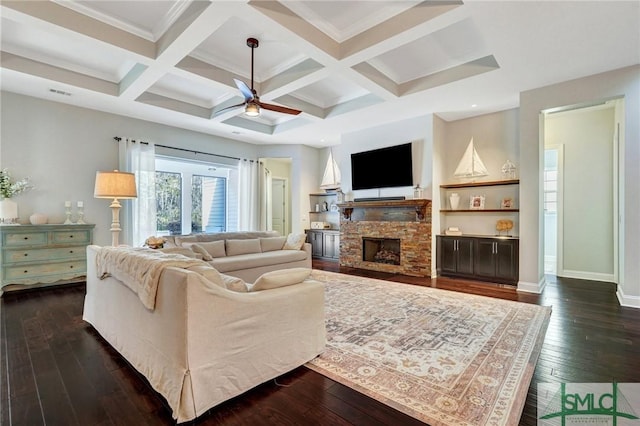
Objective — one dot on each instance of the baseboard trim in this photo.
(532, 287)
(591, 276)
(628, 301)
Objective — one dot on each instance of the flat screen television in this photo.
(382, 168)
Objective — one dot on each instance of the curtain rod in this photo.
(118, 139)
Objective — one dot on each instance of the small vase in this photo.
(8, 211)
(38, 219)
(454, 199)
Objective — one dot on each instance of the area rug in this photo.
(443, 357)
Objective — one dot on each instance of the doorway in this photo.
(580, 191)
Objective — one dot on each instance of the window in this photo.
(169, 203)
(195, 197)
(208, 204)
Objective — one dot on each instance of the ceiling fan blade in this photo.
(228, 108)
(246, 92)
(279, 108)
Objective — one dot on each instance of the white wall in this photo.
(587, 137)
(60, 147)
(624, 82)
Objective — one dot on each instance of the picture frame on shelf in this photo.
(506, 203)
(476, 202)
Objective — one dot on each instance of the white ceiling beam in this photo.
(198, 22)
(50, 72)
(63, 17)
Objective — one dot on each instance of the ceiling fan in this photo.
(252, 103)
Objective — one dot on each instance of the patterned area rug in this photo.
(443, 357)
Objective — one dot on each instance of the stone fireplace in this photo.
(381, 250)
(387, 236)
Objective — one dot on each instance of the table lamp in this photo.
(116, 185)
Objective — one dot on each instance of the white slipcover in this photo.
(203, 344)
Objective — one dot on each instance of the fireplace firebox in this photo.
(381, 250)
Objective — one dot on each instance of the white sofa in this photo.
(202, 344)
(246, 254)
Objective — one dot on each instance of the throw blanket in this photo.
(139, 268)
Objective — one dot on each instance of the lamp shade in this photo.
(252, 109)
(115, 184)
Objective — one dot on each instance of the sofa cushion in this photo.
(234, 284)
(182, 239)
(280, 278)
(240, 235)
(183, 251)
(211, 274)
(294, 241)
(237, 247)
(210, 249)
(246, 261)
(272, 243)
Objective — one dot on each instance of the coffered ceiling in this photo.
(345, 64)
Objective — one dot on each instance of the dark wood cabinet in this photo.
(324, 243)
(492, 259)
(315, 239)
(497, 259)
(456, 255)
(331, 244)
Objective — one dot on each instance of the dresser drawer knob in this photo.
(26, 272)
(26, 254)
(71, 266)
(70, 236)
(71, 251)
(26, 238)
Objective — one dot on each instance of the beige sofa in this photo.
(245, 255)
(202, 344)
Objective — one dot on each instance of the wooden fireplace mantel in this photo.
(420, 206)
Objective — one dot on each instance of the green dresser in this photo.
(43, 254)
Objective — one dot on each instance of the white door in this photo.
(278, 206)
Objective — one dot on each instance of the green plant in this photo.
(9, 188)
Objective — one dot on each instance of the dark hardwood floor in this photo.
(57, 370)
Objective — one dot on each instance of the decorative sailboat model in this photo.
(331, 177)
(470, 166)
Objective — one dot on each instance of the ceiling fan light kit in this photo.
(252, 110)
(252, 104)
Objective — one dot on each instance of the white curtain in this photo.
(248, 196)
(139, 214)
(265, 198)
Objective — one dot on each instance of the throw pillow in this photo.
(211, 249)
(281, 278)
(211, 274)
(294, 241)
(236, 247)
(272, 243)
(234, 284)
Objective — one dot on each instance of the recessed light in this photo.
(474, 105)
(235, 132)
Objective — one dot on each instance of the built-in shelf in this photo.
(479, 210)
(485, 183)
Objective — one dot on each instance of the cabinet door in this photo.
(506, 260)
(447, 254)
(315, 238)
(465, 254)
(485, 260)
(331, 245)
